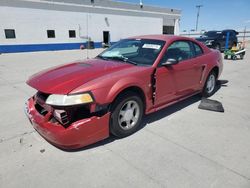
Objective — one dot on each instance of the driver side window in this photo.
(179, 50)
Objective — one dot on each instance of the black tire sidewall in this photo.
(115, 129)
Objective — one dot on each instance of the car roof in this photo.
(230, 30)
(171, 38)
(213, 31)
(162, 37)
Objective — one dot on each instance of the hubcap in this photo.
(129, 115)
(210, 83)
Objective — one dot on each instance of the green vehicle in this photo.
(235, 53)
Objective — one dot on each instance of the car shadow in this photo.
(150, 118)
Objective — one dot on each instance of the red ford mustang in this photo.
(81, 103)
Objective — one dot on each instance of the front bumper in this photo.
(79, 134)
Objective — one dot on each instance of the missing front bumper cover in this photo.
(78, 134)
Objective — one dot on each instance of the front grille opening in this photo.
(83, 112)
(40, 109)
(42, 96)
(80, 113)
(69, 115)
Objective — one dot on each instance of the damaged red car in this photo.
(84, 102)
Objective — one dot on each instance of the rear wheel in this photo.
(126, 114)
(234, 57)
(241, 56)
(210, 85)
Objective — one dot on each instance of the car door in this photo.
(182, 79)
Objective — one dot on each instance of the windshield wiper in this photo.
(102, 57)
(124, 59)
(119, 58)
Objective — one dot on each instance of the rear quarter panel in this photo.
(212, 58)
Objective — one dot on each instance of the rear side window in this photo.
(198, 50)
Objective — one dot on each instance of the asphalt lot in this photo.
(178, 147)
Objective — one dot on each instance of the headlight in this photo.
(209, 42)
(67, 100)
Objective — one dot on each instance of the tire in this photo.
(126, 114)
(241, 56)
(234, 57)
(225, 57)
(210, 85)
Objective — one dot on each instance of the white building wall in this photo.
(31, 26)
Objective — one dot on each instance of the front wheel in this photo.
(126, 114)
(210, 85)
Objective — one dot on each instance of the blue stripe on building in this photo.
(43, 47)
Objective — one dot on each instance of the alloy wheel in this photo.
(211, 83)
(129, 115)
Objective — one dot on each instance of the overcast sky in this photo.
(214, 15)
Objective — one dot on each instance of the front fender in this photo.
(107, 95)
(121, 85)
(105, 89)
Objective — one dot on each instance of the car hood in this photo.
(64, 79)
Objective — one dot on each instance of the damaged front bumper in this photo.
(78, 134)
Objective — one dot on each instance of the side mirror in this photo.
(170, 62)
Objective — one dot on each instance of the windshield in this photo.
(134, 51)
(212, 33)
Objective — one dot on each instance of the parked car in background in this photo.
(81, 103)
(217, 39)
